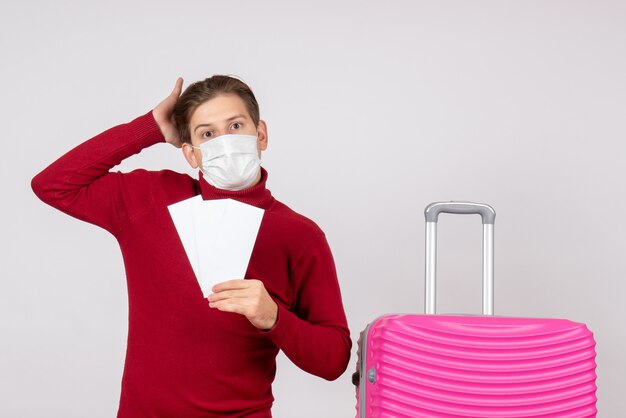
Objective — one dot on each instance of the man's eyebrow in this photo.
(227, 120)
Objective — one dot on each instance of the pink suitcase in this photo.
(473, 366)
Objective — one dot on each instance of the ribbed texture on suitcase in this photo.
(475, 366)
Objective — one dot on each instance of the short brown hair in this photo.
(201, 91)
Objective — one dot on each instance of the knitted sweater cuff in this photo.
(285, 323)
(146, 129)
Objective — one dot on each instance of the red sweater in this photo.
(183, 358)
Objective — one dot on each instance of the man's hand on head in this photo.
(164, 115)
(246, 297)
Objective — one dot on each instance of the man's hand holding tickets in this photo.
(248, 298)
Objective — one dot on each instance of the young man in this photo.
(186, 356)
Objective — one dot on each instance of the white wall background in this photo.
(375, 109)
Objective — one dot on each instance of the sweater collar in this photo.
(257, 195)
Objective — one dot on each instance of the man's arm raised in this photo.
(81, 184)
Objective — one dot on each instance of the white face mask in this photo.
(230, 162)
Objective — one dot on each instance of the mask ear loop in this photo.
(190, 144)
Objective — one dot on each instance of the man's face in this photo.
(224, 114)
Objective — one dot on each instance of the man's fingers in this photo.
(233, 284)
(229, 294)
(226, 306)
(178, 88)
(230, 306)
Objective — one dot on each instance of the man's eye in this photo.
(236, 125)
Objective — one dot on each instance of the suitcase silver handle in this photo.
(488, 215)
(433, 210)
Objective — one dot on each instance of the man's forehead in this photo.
(219, 109)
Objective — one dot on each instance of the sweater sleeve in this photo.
(315, 336)
(80, 184)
